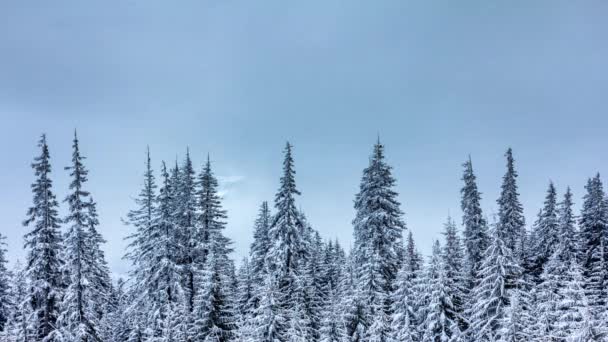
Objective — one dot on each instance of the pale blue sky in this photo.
(437, 79)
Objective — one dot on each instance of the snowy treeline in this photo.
(495, 280)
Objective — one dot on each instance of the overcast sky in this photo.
(438, 80)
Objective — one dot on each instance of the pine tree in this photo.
(498, 276)
(546, 232)
(403, 325)
(378, 229)
(476, 238)
(270, 324)
(568, 243)
(101, 282)
(5, 300)
(515, 326)
(246, 289)
(16, 329)
(44, 244)
(572, 305)
(593, 230)
(189, 256)
(78, 320)
(511, 222)
(332, 329)
(441, 322)
(261, 244)
(214, 305)
(455, 279)
(286, 236)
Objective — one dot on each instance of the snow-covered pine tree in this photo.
(139, 252)
(261, 243)
(16, 329)
(498, 276)
(101, 282)
(545, 233)
(594, 231)
(515, 326)
(378, 229)
(78, 320)
(573, 308)
(43, 267)
(215, 314)
(162, 285)
(475, 233)
(568, 238)
(332, 329)
(441, 321)
(353, 309)
(270, 324)
(547, 299)
(186, 221)
(403, 325)
(511, 222)
(6, 303)
(244, 300)
(455, 277)
(285, 235)
(315, 291)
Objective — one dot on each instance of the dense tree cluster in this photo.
(497, 281)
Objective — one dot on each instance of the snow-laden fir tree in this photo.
(516, 323)
(162, 287)
(189, 255)
(594, 231)
(139, 251)
(286, 237)
(214, 310)
(332, 328)
(442, 321)
(498, 277)
(378, 229)
(259, 249)
(5, 298)
(455, 278)
(352, 306)
(475, 232)
(80, 319)
(568, 237)
(101, 281)
(511, 222)
(44, 244)
(546, 232)
(573, 309)
(246, 288)
(270, 324)
(403, 325)
(16, 329)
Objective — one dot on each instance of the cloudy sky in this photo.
(438, 80)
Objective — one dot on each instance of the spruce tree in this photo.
(270, 324)
(214, 304)
(546, 232)
(403, 325)
(79, 320)
(476, 238)
(455, 279)
(5, 300)
(246, 290)
(16, 329)
(511, 222)
(378, 229)
(286, 237)
(498, 276)
(43, 267)
(593, 231)
(441, 321)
